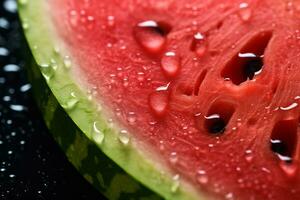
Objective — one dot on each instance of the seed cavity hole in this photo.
(283, 140)
(218, 117)
(249, 62)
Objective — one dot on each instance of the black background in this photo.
(32, 166)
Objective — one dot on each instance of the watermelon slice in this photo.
(192, 99)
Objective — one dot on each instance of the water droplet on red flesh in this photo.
(199, 45)
(170, 64)
(245, 12)
(151, 36)
(158, 103)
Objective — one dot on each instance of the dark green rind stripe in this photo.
(97, 168)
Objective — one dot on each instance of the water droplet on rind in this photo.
(56, 50)
(23, 2)
(176, 183)
(97, 134)
(124, 137)
(53, 64)
(47, 71)
(70, 104)
(67, 62)
(25, 24)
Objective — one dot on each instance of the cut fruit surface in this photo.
(206, 92)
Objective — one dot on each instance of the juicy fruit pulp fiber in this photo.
(213, 86)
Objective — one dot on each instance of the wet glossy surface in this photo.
(32, 166)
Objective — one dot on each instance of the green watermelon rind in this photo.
(89, 160)
(72, 126)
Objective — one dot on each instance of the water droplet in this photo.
(97, 134)
(25, 88)
(125, 82)
(176, 183)
(4, 51)
(124, 137)
(163, 88)
(211, 145)
(131, 118)
(229, 196)
(25, 25)
(56, 50)
(23, 2)
(47, 71)
(67, 62)
(201, 177)
(11, 68)
(170, 64)
(6, 98)
(18, 108)
(199, 45)
(12, 176)
(158, 103)
(53, 64)
(151, 35)
(118, 112)
(70, 103)
(110, 21)
(248, 155)
(140, 76)
(173, 157)
(289, 107)
(161, 145)
(90, 18)
(265, 170)
(245, 12)
(10, 6)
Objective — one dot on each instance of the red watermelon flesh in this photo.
(212, 86)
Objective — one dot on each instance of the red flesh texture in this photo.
(200, 86)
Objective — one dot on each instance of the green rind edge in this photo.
(80, 147)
